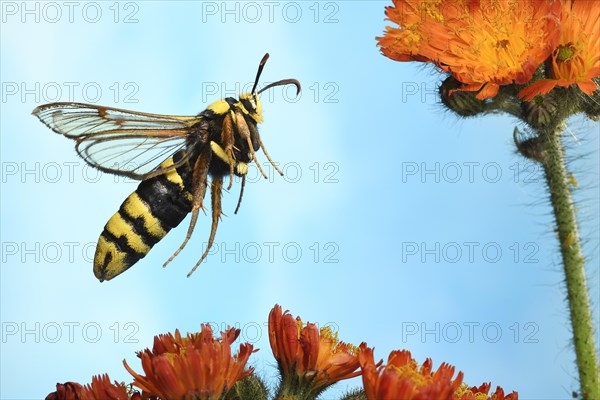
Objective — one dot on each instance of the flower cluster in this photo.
(537, 60)
(199, 367)
(487, 44)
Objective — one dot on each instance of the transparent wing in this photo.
(75, 120)
(119, 141)
(131, 153)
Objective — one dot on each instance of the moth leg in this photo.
(269, 157)
(241, 194)
(216, 190)
(228, 141)
(187, 237)
(199, 183)
(245, 134)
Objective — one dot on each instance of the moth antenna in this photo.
(282, 83)
(260, 69)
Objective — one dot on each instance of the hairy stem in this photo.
(573, 262)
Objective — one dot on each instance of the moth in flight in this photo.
(172, 156)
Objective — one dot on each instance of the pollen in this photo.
(565, 52)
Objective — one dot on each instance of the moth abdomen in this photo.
(144, 218)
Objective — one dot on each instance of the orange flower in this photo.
(309, 359)
(196, 366)
(482, 43)
(576, 59)
(67, 391)
(100, 389)
(481, 393)
(403, 378)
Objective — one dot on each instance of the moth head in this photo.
(252, 104)
(251, 101)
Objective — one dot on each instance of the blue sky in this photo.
(397, 223)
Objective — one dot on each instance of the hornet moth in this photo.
(172, 156)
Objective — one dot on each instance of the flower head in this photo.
(196, 366)
(101, 388)
(67, 391)
(403, 378)
(309, 358)
(576, 58)
(482, 43)
(481, 393)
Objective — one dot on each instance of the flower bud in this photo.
(541, 111)
(462, 103)
(531, 148)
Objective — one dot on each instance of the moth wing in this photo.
(118, 141)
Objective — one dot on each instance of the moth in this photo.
(172, 156)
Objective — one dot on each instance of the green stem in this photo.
(573, 261)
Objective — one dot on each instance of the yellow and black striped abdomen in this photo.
(145, 217)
